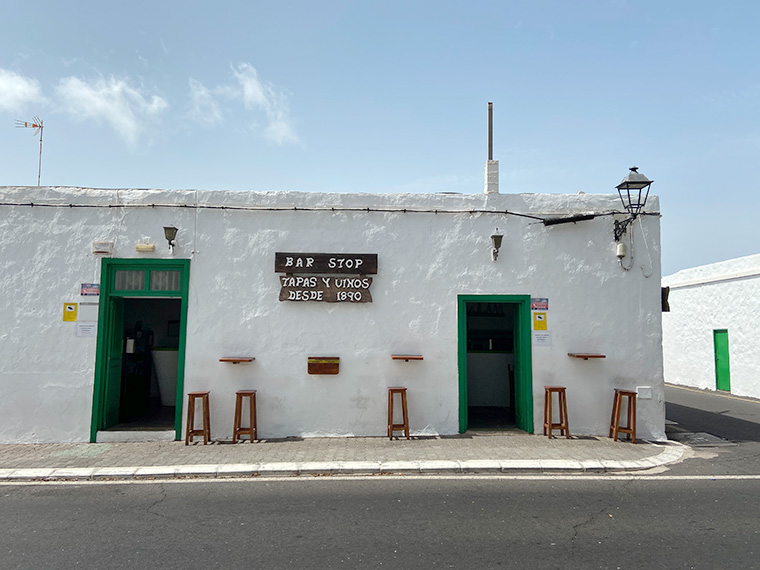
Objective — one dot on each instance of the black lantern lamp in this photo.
(634, 191)
(170, 233)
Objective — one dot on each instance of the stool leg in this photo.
(546, 402)
(565, 421)
(390, 415)
(632, 417)
(406, 414)
(549, 421)
(206, 420)
(238, 411)
(612, 417)
(254, 431)
(618, 405)
(190, 419)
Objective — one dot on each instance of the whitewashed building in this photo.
(105, 329)
(710, 335)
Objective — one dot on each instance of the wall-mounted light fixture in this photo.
(496, 244)
(104, 247)
(170, 233)
(634, 191)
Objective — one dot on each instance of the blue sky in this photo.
(338, 96)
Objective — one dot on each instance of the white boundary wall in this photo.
(425, 261)
(723, 295)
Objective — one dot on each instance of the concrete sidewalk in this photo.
(473, 452)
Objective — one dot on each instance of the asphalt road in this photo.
(735, 423)
(410, 522)
(700, 514)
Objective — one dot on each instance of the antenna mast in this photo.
(35, 123)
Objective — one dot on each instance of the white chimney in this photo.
(492, 177)
(492, 166)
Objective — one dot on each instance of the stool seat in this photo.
(562, 425)
(237, 429)
(392, 391)
(205, 431)
(617, 404)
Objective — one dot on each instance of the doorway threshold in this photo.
(134, 436)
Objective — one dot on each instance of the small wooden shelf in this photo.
(406, 357)
(237, 359)
(585, 355)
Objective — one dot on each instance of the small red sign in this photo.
(90, 289)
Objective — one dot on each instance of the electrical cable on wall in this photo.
(623, 254)
(649, 253)
(539, 218)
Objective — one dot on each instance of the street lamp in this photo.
(633, 191)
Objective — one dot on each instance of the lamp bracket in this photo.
(621, 226)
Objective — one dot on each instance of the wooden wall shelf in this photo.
(585, 355)
(406, 357)
(237, 359)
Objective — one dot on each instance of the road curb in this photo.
(671, 453)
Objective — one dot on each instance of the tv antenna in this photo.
(35, 123)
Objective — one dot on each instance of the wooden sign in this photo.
(326, 263)
(325, 289)
(323, 365)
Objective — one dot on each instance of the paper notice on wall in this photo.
(88, 312)
(87, 328)
(70, 312)
(542, 338)
(539, 304)
(539, 321)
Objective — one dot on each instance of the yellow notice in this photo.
(70, 312)
(539, 321)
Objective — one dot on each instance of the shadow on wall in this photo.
(715, 423)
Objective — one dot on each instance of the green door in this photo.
(122, 279)
(722, 369)
(523, 402)
(112, 387)
(523, 382)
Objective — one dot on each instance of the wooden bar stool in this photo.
(617, 404)
(191, 431)
(549, 427)
(397, 427)
(237, 430)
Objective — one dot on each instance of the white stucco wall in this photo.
(723, 295)
(425, 261)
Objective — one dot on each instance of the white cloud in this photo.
(280, 132)
(16, 91)
(125, 108)
(263, 96)
(204, 109)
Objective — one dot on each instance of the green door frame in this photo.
(110, 299)
(722, 364)
(522, 352)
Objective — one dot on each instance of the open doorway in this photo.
(495, 378)
(490, 365)
(150, 344)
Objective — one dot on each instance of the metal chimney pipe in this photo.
(490, 131)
